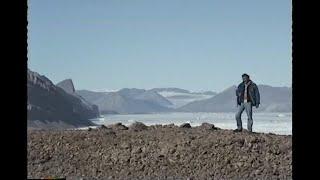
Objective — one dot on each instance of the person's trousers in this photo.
(248, 107)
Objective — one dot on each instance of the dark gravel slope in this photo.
(158, 152)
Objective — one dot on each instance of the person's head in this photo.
(245, 77)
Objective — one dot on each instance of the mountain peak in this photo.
(67, 85)
(53, 107)
(39, 80)
(233, 87)
(173, 89)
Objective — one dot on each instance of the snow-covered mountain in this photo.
(180, 97)
(273, 99)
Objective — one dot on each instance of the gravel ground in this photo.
(158, 152)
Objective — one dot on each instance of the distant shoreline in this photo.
(278, 123)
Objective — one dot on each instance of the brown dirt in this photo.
(158, 152)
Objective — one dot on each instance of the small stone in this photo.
(208, 126)
(138, 126)
(185, 125)
(171, 151)
(125, 145)
(103, 127)
(136, 150)
(171, 161)
(118, 126)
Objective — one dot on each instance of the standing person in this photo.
(247, 96)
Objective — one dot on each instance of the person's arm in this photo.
(257, 94)
(237, 91)
(238, 95)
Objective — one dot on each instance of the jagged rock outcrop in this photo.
(67, 85)
(50, 106)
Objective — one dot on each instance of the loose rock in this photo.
(158, 152)
(185, 125)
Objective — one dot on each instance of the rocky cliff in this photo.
(49, 106)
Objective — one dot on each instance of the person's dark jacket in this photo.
(253, 93)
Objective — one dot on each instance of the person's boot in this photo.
(237, 130)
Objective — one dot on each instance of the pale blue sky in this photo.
(195, 45)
